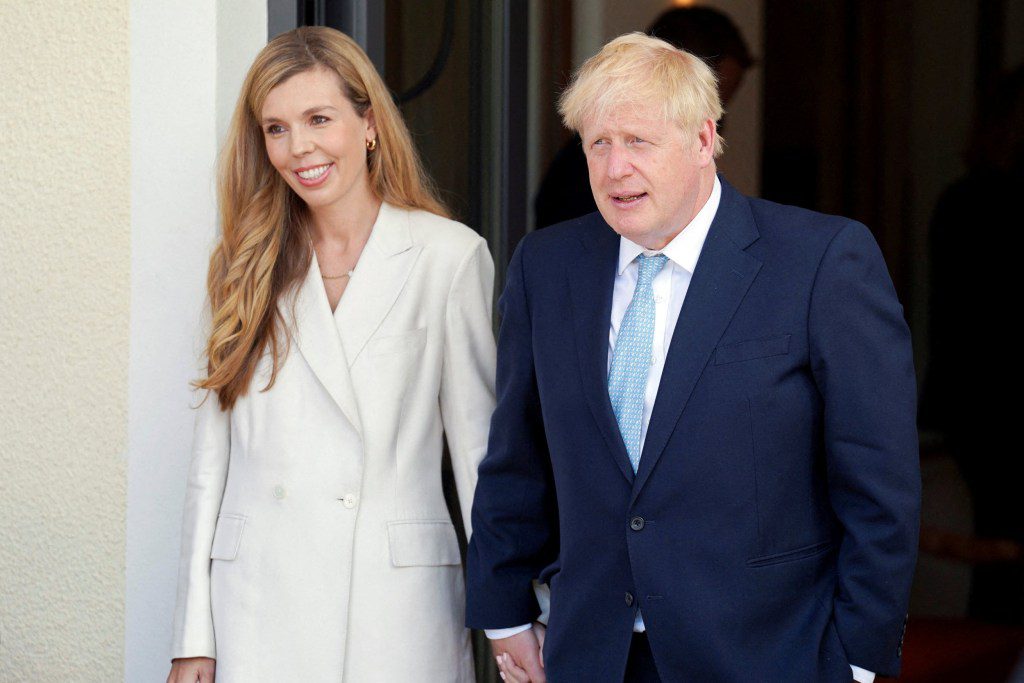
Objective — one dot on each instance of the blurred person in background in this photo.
(974, 270)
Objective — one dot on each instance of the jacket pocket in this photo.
(227, 537)
(751, 349)
(410, 342)
(801, 553)
(423, 543)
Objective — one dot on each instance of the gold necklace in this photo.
(335, 277)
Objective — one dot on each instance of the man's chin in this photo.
(632, 229)
(627, 226)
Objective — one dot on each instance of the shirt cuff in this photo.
(499, 633)
(860, 675)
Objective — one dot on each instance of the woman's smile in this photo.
(311, 176)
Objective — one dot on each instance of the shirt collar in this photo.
(684, 249)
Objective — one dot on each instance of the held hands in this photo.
(519, 657)
(192, 670)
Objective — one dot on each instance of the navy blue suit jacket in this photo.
(770, 533)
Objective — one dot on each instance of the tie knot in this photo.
(650, 266)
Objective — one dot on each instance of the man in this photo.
(704, 441)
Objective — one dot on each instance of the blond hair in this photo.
(264, 249)
(635, 69)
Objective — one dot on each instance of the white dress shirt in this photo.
(669, 287)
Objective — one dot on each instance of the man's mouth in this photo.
(313, 175)
(627, 199)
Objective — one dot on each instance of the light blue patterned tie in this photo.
(631, 359)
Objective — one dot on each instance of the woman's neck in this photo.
(341, 226)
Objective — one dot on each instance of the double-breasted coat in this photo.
(316, 543)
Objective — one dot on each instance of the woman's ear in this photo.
(371, 125)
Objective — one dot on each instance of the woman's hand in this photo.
(512, 670)
(191, 670)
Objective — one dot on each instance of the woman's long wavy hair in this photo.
(264, 249)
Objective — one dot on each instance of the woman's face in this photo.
(317, 141)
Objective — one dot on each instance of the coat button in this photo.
(279, 492)
(637, 523)
(349, 501)
(629, 599)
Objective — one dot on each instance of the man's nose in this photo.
(619, 164)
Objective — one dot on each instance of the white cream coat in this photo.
(316, 543)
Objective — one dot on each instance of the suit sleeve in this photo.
(193, 616)
(467, 376)
(514, 529)
(862, 363)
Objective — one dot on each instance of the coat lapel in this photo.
(593, 275)
(316, 335)
(721, 279)
(379, 277)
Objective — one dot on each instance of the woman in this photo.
(350, 329)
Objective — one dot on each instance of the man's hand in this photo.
(191, 670)
(519, 656)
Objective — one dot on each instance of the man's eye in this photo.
(318, 119)
(638, 140)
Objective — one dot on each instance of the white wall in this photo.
(64, 293)
(188, 60)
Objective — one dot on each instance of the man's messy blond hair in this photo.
(637, 69)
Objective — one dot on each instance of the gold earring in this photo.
(371, 145)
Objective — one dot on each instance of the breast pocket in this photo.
(402, 344)
(393, 360)
(388, 369)
(751, 349)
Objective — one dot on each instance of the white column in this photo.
(187, 63)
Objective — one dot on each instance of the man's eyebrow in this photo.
(311, 110)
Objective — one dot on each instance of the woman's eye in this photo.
(318, 119)
(275, 129)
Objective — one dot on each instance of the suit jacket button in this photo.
(349, 501)
(629, 599)
(637, 523)
(279, 492)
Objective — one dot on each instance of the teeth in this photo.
(629, 198)
(314, 173)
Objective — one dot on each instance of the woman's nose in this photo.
(301, 144)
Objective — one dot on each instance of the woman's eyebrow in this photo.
(311, 110)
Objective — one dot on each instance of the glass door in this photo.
(458, 71)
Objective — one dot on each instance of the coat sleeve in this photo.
(514, 526)
(193, 617)
(467, 376)
(862, 363)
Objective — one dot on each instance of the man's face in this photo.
(649, 177)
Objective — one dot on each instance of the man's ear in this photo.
(707, 134)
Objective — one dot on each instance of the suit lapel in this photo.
(317, 338)
(593, 275)
(721, 279)
(381, 274)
